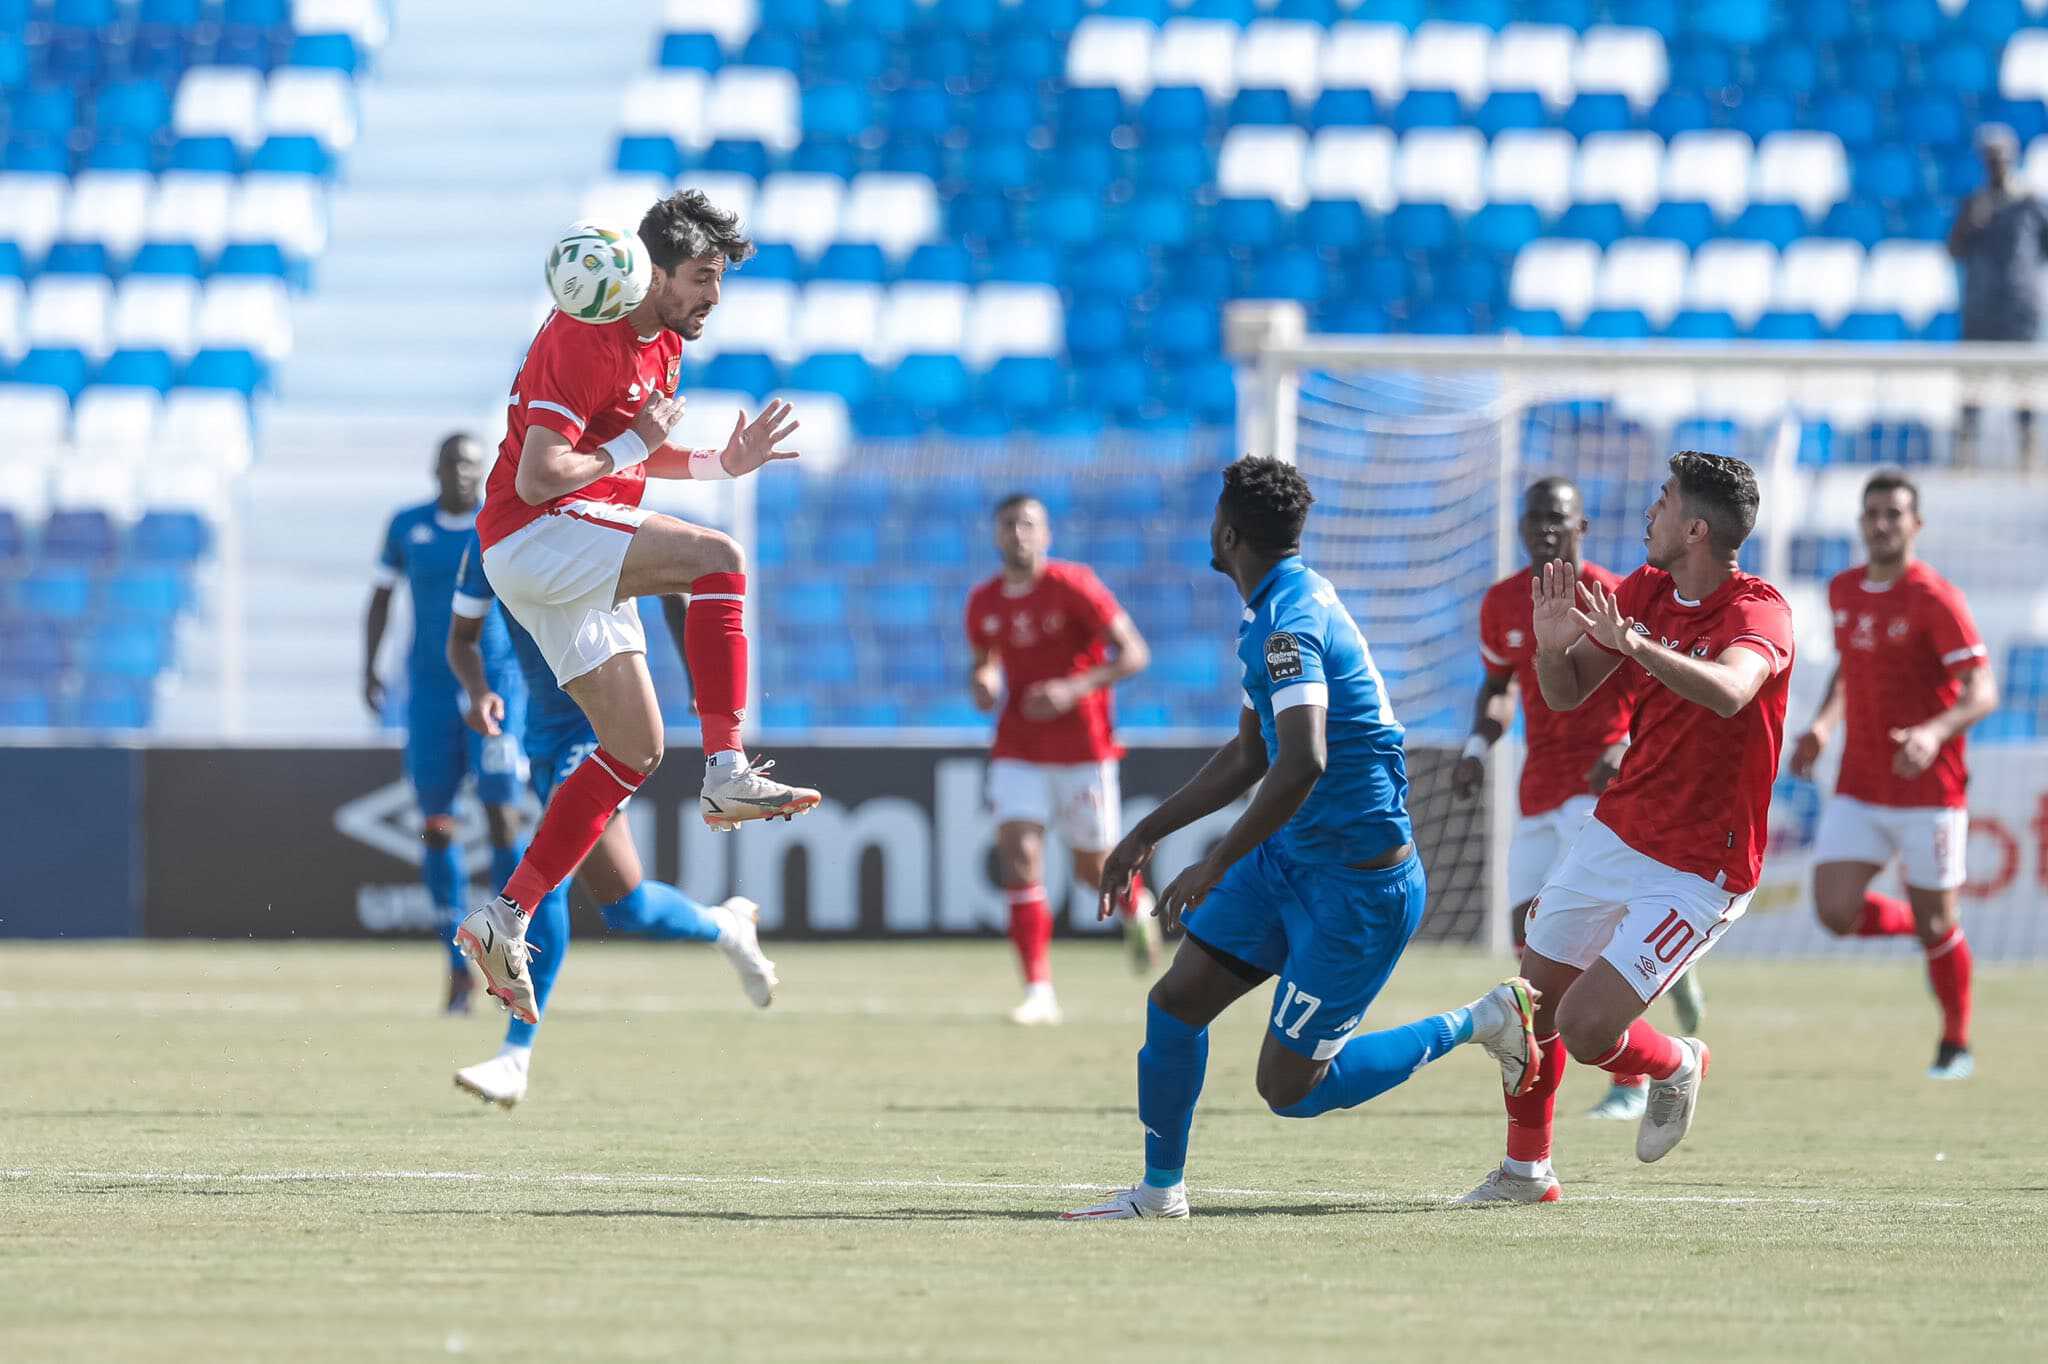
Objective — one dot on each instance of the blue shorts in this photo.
(557, 750)
(440, 750)
(1331, 933)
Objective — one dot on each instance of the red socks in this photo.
(715, 645)
(1948, 971)
(1530, 1115)
(1031, 931)
(1643, 1050)
(569, 827)
(1130, 904)
(1884, 917)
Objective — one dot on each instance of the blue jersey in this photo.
(549, 711)
(424, 545)
(1300, 646)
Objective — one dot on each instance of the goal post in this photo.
(1418, 449)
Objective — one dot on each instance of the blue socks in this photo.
(1371, 1065)
(505, 861)
(547, 930)
(655, 909)
(1171, 1065)
(441, 871)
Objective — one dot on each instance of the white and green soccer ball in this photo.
(597, 274)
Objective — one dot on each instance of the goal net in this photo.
(1419, 449)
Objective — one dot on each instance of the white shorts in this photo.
(1540, 844)
(1928, 841)
(1650, 921)
(1082, 802)
(559, 577)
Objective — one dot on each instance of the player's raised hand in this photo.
(1556, 622)
(1186, 892)
(1124, 862)
(753, 442)
(487, 715)
(1806, 751)
(1602, 618)
(657, 419)
(1468, 776)
(1919, 746)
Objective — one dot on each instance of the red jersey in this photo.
(1056, 627)
(1904, 646)
(588, 383)
(1695, 793)
(1563, 744)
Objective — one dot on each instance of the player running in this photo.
(1048, 628)
(557, 738)
(1673, 851)
(1911, 679)
(570, 549)
(1317, 881)
(1572, 755)
(422, 546)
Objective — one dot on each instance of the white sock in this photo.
(1159, 1198)
(1038, 989)
(1489, 1016)
(1684, 1071)
(522, 1057)
(1528, 1169)
(724, 917)
(731, 757)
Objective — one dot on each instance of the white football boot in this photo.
(1040, 1009)
(1667, 1113)
(736, 792)
(1621, 1103)
(1510, 1036)
(494, 937)
(1141, 1200)
(500, 1080)
(740, 939)
(1504, 1186)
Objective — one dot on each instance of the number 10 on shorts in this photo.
(1309, 1004)
(1670, 938)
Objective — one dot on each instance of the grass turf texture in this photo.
(212, 1152)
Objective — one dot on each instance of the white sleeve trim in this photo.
(1301, 694)
(471, 608)
(556, 407)
(1247, 700)
(383, 575)
(1774, 655)
(1495, 659)
(1955, 656)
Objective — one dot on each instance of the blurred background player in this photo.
(1317, 882)
(423, 548)
(1911, 679)
(1571, 755)
(2000, 240)
(1676, 844)
(570, 550)
(1052, 634)
(557, 738)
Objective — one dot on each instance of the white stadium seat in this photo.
(1013, 319)
(1365, 57)
(1111, 51)
(109, 207)
(32, 208)
(1281, 53)
(247, 314)
(155, 312)
(303, 102)
(220, 101)
(923, 319)
(363, 20)
(827, 429)
(622, 200)
(1265, 163)
(1630, 61)
(1200, 52)
(191, 206)
(1709, 165)
(667, 104)
(1446, 56)
(708, 418)
(68, 311)
(290, 210)
(1732, 277)
(1913, 279)
(2034, 170)
(1803, 168)
(1353, 163)
(897, 212)
(1620, 168)
(1645, 273)
(114, 420)
(801, 208)
(753, 315)
(11, 342)
(1555, 274)
(34, 415)
(1531, 166)
(173, 487)
(98, 485)
(734, 21)
(729, 190)
(1442, 166)
(838, 316)
(1818, 275)
(758, 103)
(1534, 57)
(2023, 70)
(206, 428)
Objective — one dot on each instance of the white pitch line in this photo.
(967, 1185)
(384, 1006)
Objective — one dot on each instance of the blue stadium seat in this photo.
(1068, 217)
(887, 420)
(812, 603)
(941, 58)
(24, 706)
(1778, 224)
(856, 55)
(325, 51)
(121, 152)
(1888, 171)
(1428, 109)
(774, 50)
(39, 154)
(1344, 108)
(56, 592)
(78, 537)
(940, 262)
(1856, 220)
(2028, 118)
(1877, 65)
(1696, 325)
(1011, 108)
(1176, 112)
(642, 154)
(1821, 557)
(1245, 224)
(77, 258)
(293, 155)
(1598, 112)
(1599, 223)
(1185, 328)
(1765, 112)
(691, 51)
(776, 260)
(1682, 220)
(138, 369)
(978, 216)
(1961, 67)
(999, 162)
(1679, 110)
(1206, 389)
(785, 712)
(912, 156)
(920, 109)
(1260, 106)
(131, 106)
(1381, 277)
(1333, 224)
(114, 703)
(1508, 109)
(929, 384)
(858, 262)
(836, 109)
(1503, 228)
(743, 372)
(32, 650)
(1024, 263)
(13, 543)
(1789, 66)
(1615, 324)
(1863, 326)
(1850, 115)
(1703, 65)
(45, 110)
(239, 371)
(730, 156)
(1117, 386)
(1204, 270)
(53, 368)
(1471, 282)
(1096, 327)
(126, 648)
(1933, 119)
(1941, 329)
(792, 16)
(848, 543)
(1291, 272)
(1438, 318)
(1532, 322)
(849, 376)
(1175, 167)
(1023, 386)
(1421, 228)
(213, 154)
(1926, 219)
(1028, 55)
(1158, 219)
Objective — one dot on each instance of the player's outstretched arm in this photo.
(374, 621)
(466, 660)
(1231, 771)
(1919, 745)
(1493, 710)
(752, 444)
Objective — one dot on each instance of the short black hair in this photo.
(453, 442)
(1720, 490)
(687, 225)
(1553, 483)
(1015, 500)
(1891, 481)
(1266, 502)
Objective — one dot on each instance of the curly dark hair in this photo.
(1721, 491)
(1267, 503)
(687, 225)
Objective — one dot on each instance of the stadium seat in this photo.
(1645, 275)
(1198, 52)
(1442, 165)
(1283, 54)
(1621, 168)
(897, 212)
(1531, 167)
(671, 104)
(68, 312)
(314, 103)
(1112, 51)
(1685, 221)
(1265, 163)
(1365, 56)
(758, 104)
(1353, 163)
(1712, 166)
(31, 208)
(1448, 56)
(1732, 277)
(1558, 276)
(1914, 280)
(800, 209)
(220, 101)
(1012, 319)
(1627, 61)
(1536, 57)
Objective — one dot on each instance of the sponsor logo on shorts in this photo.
(1283, 656)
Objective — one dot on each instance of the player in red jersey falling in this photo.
(1572, 755)
(569, 549)
(1912, 678)
(1676, 843)
(1053, 633)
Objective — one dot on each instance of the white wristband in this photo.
(626, 450)
(708, 465)
(1475, 747)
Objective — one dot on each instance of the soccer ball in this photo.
(597, 274)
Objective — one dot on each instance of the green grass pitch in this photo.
(252, 1152)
